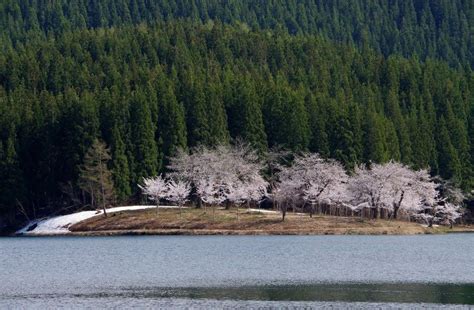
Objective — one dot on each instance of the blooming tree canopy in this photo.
(155, 188)
(223, 173)
(392, 186)
(178, 191)
(313, 178)
(233, 174)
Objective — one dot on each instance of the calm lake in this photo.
(426, 271)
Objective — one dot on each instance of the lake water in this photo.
(426, 271)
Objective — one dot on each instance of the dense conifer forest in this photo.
(439, 29)
(357, 81)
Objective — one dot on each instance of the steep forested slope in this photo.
(438, 29)
(147, 89)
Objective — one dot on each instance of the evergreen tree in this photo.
(395, 114)
(218, 131)
(374, 140)
(151, 88)
(244, 113)
(355, 121)
(449, 164)
(318, 122)
(120, 166)
(285, 117)
(171, 121)
(196, 116)
(11, 179)
(147, 160)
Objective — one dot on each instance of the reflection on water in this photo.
(183, 303)
(326, 296)
(389, 293)
(238, 271)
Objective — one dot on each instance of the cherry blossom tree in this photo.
(392, 187)
(366, 189)
(313, 179)
(232, 174)
(237, 195)
(220, 174)
(178, 192)
(325, 181)
(447, 213)
(285, 194)
(155, 188)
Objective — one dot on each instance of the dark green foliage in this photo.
(11, 179)
(149, 90)
(434, 29)
(244, 112)
(216, 113)
(285, 116)
(448, 159)
(171, 120)
(317, 122)
(120, 165)
(147, 160)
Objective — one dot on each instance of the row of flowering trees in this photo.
(233, 175)
(158, 188)
(386, 190)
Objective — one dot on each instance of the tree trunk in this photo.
(102, 186)
(397, 206)
(282, 208)
(92, 198)
(395, 211)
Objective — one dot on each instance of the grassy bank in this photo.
(229, 222)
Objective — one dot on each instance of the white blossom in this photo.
(178, 191)
(222, 173)
(392, 186)
(313, 179)
(155, 188)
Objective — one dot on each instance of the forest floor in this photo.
(211, 221)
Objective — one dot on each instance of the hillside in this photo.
(150, 84)
(429, 29)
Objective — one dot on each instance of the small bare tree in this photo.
(95, 178)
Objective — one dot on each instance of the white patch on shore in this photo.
(426, 226)
(263, 211)
(60, 224)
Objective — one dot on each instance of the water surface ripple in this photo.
(238, 271)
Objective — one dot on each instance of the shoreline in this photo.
(223, 232)
(221, 222)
